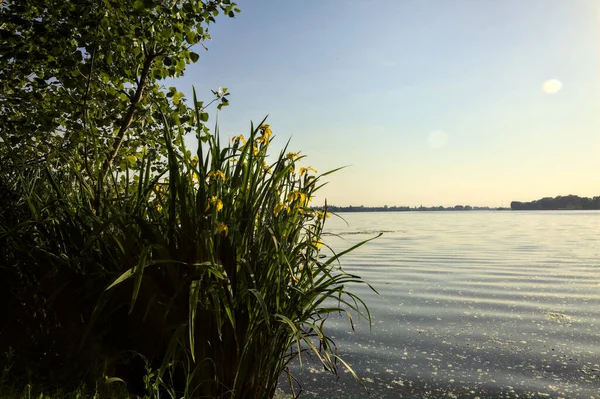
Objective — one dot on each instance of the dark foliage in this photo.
(560, 202)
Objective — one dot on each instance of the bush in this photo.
(209, 268)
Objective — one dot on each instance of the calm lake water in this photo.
(472, 304)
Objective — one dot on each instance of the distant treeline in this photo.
(385, 208)
(560, 202)
(547, 203)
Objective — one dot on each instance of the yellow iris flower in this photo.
(297, 195)
(216, 175)
(238, 139)
(266, 168)
(222, 229)
(323, 215)
(216, 202)
(292, 156)
(265, 130)
(279, 207)
(304, 170)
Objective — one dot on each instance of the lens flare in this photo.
(551, 86)
(437, 139)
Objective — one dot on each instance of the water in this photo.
(472, 304)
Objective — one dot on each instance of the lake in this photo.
(501, 304)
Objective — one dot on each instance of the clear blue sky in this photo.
(429, 102)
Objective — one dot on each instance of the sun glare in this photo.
(551, 86)
(437, 139)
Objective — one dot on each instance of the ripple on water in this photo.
(475, 304)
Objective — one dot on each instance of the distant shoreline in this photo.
(457, 208)
(364, 210)
(559, 203)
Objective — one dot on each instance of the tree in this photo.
(85, 75)
(81, 94)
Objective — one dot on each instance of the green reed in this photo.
(208, 265)
(235, 249)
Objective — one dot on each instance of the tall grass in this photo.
(210, 268)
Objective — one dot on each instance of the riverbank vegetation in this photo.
(385, 208)
(571, 202)
(131, 264)
(567, 202)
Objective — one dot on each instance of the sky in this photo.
(426, 102)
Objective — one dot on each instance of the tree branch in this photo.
(129, 116)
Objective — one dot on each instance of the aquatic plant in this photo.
(208, 266)
(231, 255)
